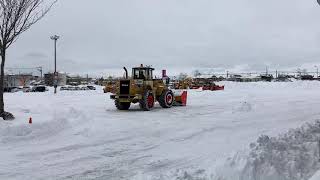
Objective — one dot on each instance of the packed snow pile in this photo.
(316, 176)
(291, 156)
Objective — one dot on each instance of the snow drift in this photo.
(291, 156)
(316, 176)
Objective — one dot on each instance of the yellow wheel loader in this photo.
(142, 88)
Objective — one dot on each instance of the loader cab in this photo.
(142, 73)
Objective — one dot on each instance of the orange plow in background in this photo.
(213, 87)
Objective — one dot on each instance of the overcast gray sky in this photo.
(101, 36)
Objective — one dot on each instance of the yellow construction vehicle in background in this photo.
(110, 87)
(143, 89)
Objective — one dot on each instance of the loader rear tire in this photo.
(122, 105)
(166, 99)
(147, 101)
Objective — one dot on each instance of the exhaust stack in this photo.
(125, 69)
(164, 73)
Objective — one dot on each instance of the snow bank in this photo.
(316, 176)
(291, 156)
(41, 130)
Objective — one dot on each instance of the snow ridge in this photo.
(291, 156)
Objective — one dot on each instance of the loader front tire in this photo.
(147, 101)
(122, 105)
(166, 99)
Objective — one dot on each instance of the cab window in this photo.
(139, 74)
(142, 74)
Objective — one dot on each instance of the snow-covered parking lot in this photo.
(81, 135)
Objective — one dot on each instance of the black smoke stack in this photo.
(125, 69)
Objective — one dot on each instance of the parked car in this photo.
(91, 87)
(26, 89)
(77, 88)
(10, 89)
(39, 89)
(84, 88)
(16, 89)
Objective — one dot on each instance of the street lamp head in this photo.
(55, 37)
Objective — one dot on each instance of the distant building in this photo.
(244, 78)
(49, 79)
(235, 77)
(16, 80)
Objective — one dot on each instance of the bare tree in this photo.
(182, 76)
(197, 73)
(16, 17)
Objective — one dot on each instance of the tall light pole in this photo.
(317, 71)
(40, 70)
(267, 70)
(55, 76)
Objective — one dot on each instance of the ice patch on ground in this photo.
(291, 156)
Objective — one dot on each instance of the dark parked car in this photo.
(12, 89)
(39, 89)
(91, 87)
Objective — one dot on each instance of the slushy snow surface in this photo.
(81, 135)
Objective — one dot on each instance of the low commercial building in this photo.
(244, 78)
(16, 80)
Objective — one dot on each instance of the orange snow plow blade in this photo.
(180, 98)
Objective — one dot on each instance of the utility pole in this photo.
(55, 76)
(40, 70)
(87, 79)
